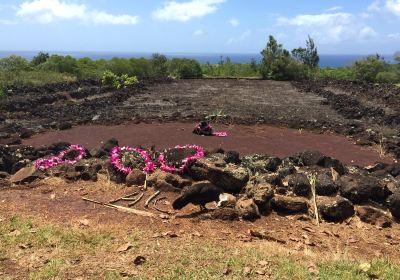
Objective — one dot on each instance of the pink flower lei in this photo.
(46, 163)
(164, 166)
(115, 158)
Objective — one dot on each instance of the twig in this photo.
(136, 200)
(145, 182)
(151, 198)
(313, 181)
(121, 208)
(123, 197)
(158, 209)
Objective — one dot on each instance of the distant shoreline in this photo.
(326, 60)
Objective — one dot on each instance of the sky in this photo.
(199, 26)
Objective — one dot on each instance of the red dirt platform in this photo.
(260, 139)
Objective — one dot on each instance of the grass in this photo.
(32, 78)
(53, 252)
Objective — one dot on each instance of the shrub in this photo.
(368, 69)
(33, 78)
(110, 79)
(117, 82)
(159, 67)
(343, 73)
(40, 58)
(61, 64)
(185, 68)
(131, 81)
(387, 77)
(14, 63)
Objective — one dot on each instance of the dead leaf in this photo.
(198, 234)
(125, 247)
(52, 196)
(352, 239)
(84, 222)
(309, 229)
(15, 232)
(244, 238)
(364, 267)
(164, 216)
(246, 271)
(170, 234)
(227, 271)
(260, 271)
(139, 260)
(25, 246)
(263, 263)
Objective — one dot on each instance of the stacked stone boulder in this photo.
(262, 184)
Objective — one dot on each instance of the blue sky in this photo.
(199, 26)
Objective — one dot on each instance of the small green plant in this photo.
(2, 93)
(110, 79)
(130, 81)
(117, 82)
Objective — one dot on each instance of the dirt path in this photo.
(261, 139)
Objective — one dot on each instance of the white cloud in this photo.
(329, 27)
(334, 9)
(198, 32)
(47, 11)
(393, 6)
(367, 33)
(384, 7)
(394, 36)
(185, 11)
(234, 22)
(239, 39)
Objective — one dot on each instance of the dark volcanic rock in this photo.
(289, 205)
(232, 157)
(374, 216)
(325, 185)
(223, 214)
(230, 178)
(25, 175)
(247, 209)
(335, 209)
(394, 204)
(272, 164)
(300, 184)
(166, 181)
(309, 158)
(360, 189)
(105, 149)
(135, 178)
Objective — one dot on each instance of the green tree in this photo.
(309, 55)
(367, 69)
(185, 68)
(272, 52)
(61, 64)
(14, 63)
(40, 58)
(159, 65)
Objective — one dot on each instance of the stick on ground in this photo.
(151, 198)
(121, 208)
(136, 200)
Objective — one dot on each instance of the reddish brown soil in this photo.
(57, 202)
(261, 139)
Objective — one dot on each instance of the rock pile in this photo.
(261, 184)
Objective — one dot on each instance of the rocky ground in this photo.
(268, 190)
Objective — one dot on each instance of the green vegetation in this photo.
(53, 252)
(277, 63)
(226, 69)
(117, 82)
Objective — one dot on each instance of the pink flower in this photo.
(185, 162)
(115, 159)
(46, 163)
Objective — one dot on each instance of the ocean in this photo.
(326, 60)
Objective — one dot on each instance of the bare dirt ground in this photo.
(247, 140)
(59, 204)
